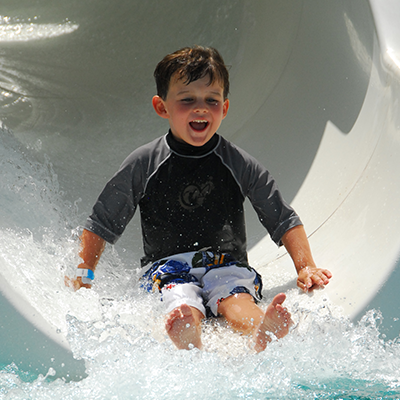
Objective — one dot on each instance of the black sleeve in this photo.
(119, 199)
(115, 206)
(260, 187)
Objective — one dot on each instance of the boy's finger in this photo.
(327, 273)
(303, 285)
(324, 276)
(67, 281)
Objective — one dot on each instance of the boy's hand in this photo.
(92, 248)
(75, 283)
(309, 276)
(312, 277)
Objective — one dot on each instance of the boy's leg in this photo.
(245, 316)
(185, 310)
(183, 325)
(182, 298)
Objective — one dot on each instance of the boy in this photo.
(190, 186)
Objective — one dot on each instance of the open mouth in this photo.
(199, 124)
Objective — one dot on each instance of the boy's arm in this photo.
(309, 276)
(92, 248)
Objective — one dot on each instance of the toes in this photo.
(278, 299)
(174, 314)
(185, 310)
(172, 317)
(178, 314)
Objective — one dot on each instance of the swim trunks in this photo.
(201, 279)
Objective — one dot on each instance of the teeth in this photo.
(200, 121)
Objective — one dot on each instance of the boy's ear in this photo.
(225, 108)
(159, 107)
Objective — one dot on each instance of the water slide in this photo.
(315, 97)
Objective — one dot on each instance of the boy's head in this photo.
(191, 64)
(192, 89)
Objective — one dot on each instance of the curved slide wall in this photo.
(315, 92)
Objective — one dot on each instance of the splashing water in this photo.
(118, 329)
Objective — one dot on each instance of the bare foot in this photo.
(184, 328)
(276, 321)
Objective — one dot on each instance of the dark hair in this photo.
(191, 64)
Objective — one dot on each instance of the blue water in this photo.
(75, 90)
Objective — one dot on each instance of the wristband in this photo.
(86, 274)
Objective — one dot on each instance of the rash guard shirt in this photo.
(190, 198)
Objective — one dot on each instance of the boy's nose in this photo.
(200, 106)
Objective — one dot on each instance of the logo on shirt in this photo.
(194, 195)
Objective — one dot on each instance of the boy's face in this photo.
(194, 111)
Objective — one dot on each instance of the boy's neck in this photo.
(189, 150)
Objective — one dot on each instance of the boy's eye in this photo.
(212, 101)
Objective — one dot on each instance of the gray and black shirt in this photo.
(190, 198)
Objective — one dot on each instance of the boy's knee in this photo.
(234, 301)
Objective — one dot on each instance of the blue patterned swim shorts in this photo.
(201, 279)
